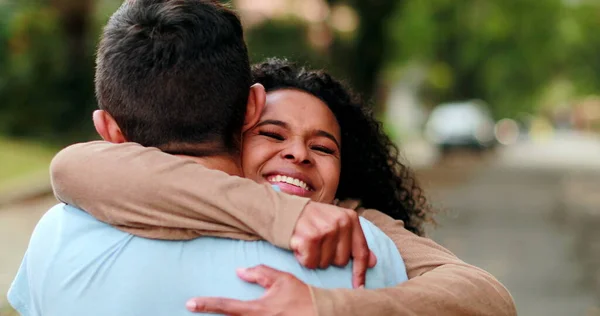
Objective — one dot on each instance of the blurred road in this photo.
(496, 213)
(502, 218)
(501, 221)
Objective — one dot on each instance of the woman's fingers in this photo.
(219, 305)
(360, 255)
(343, 250)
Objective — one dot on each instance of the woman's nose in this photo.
(297, 153)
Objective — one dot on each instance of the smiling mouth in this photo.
(289, 180)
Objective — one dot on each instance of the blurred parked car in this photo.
(467, 124)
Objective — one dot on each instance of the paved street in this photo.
(501, 221)
(502, 218)
(496, 215)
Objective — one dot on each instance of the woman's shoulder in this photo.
(372, 215)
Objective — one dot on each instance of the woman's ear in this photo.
(107, 127)
(255, 106)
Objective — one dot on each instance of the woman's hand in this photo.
(327, 235)
(284, 295)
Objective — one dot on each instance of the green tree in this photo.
(285, 38)
(362, 58)
(358, 57)
(47, 78)
(505, 52)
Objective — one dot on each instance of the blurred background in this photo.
(496, 105)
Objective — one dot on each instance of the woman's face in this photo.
(296, 145)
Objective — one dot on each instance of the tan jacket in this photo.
(152, 194)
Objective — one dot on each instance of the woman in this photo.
(338, 150)
(370, 168)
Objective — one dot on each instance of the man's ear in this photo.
(107, 127)
(255, 106)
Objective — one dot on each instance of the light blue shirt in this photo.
(76, 265)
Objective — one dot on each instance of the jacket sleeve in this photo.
(156, 195)
(439, 283)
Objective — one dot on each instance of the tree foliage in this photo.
(505, 52)
(46, 83)
(511, 53)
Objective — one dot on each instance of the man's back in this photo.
(76, 265)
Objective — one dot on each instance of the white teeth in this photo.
(290, 180)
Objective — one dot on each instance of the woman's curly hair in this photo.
(371, 170)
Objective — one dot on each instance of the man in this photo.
(173, 75)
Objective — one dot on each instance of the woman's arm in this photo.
(439, 283)
(156, 195)
(153, 194)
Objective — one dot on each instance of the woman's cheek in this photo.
(330, 172)
(251, 160)
(255, 156)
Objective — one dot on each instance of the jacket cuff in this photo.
(286, 217)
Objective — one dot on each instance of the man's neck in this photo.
(226, 163)
(211, 155)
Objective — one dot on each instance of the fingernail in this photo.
(362, 286)
(191, 306)
(294, 242)
(241, 271)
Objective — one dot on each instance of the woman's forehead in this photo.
(300, 109)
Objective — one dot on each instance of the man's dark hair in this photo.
(175, 74)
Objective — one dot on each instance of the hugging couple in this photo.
(229, 189)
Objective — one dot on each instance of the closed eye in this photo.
(323, 149)
(271, 135)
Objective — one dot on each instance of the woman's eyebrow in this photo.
(273, 122)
